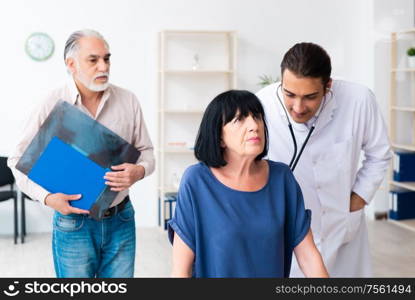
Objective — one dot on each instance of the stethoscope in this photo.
(295, 158)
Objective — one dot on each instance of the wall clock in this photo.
(39, 46)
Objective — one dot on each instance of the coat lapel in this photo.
(326, 115)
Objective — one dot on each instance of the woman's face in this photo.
(243, 137)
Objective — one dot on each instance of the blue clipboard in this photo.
(62, 168)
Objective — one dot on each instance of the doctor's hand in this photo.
(125, 176)
(59, 202)
(356, 202)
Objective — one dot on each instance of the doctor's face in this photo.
(302, 95)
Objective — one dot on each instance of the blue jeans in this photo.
(83, 247)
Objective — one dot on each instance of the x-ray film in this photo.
(91, 138)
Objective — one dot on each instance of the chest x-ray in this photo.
(88, 136)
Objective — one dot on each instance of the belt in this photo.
(117, 208)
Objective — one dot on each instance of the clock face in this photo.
(39, 46)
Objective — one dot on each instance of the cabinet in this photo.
(402, 109)
(194, 67)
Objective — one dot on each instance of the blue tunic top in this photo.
(240, 234)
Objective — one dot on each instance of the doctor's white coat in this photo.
(349, 125)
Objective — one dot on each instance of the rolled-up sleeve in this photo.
(183, 222)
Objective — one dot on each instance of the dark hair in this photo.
(219, 112)
(307, 60)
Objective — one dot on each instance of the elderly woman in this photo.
(238, 215)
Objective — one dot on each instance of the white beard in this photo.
(97, 87)
(89, 84)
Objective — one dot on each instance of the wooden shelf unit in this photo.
(395, 107)
(194, 66)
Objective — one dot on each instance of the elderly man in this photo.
(82, 246)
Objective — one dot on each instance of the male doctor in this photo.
(346, 121)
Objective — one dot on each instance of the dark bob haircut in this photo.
(307, 60)
(219, 112)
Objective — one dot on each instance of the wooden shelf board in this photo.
(177, 151)
(187, 72)
(403, 70)
(403, 108)
(173, 32)
(178, 111)
(404, 146)
(412, 30)
(406, 185)
(168, 189)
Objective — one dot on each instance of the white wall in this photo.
(266, 29)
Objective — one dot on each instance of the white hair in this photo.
(72, 44)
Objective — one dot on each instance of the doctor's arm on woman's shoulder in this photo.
(309, 258)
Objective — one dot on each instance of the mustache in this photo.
(106, 74)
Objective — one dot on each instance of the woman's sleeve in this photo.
(301, 217)
(183, 222)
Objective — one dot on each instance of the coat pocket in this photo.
(353, 224)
